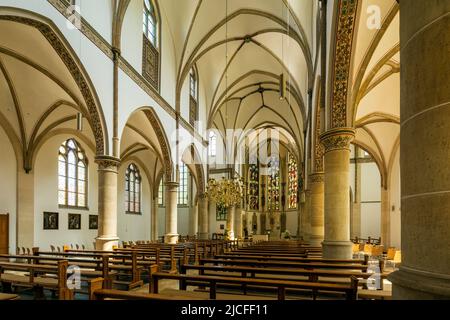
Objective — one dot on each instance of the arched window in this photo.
(133, 189)
(193, 84)
(193, 100)
(273, 185)
(161, 193)
(150, 22)
(212, 144)
(253, 187)
(183, 187)
(293, 181)
(72, 175)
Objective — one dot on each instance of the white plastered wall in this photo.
(8, 186)
(46, 198)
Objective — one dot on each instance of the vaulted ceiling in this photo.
(38, 95)
(240, 49)
(375, 87)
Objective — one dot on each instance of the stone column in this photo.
(300, 212)
(25, 209)
(306, 216)
(193, 219)
(171, 235)
(355, 221)
(317, 203)
(231, 211)
(424, 151)
(337, 244)
(154, 218)
(385, 218)
(203, 217)
(238, 223)
(107, 202)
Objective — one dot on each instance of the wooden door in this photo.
(4, 233)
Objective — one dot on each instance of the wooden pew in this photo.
(269, 257)
(281, 285)
(285, 264)
(8, 296)
(36, 278)
(274, 273)
(102, 264)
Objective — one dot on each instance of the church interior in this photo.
(225, 150)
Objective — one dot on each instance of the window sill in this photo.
(134, 213)
(73, 208)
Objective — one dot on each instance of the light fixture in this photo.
(79, 121)
(225, 192)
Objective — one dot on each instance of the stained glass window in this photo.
(253, 187)
(133, 189)
(72, 175)
(293, 181)
(273, 185)
(221, 213)
(150, 22)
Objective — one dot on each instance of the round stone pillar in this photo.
(306, 216)
(385, 218)
(231, 211)
(171, 235)
(107, 202)
(337, 244)
(154, 219)
(193, 219)
(316, 186)
(203, 215)
(424, 151)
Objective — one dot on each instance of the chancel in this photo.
(224, 150)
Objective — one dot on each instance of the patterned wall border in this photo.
(163, 142)
(76, 73)
(347, 11)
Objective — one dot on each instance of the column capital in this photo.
(171, 184)
(107, 162)
(337, 139)
(202, 196)
(316, 177)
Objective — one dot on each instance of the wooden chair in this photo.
(377, 251)
(391, 253)
(368, 249)
(397, 258)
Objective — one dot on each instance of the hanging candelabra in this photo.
(225, 192)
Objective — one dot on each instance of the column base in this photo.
(171, 238)
(412, 284)
(315, 241)
(203, 236)
(106, 243)
(337, 249)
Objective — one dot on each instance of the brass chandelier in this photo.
(225, 192)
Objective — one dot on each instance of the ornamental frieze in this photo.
(343, 56)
